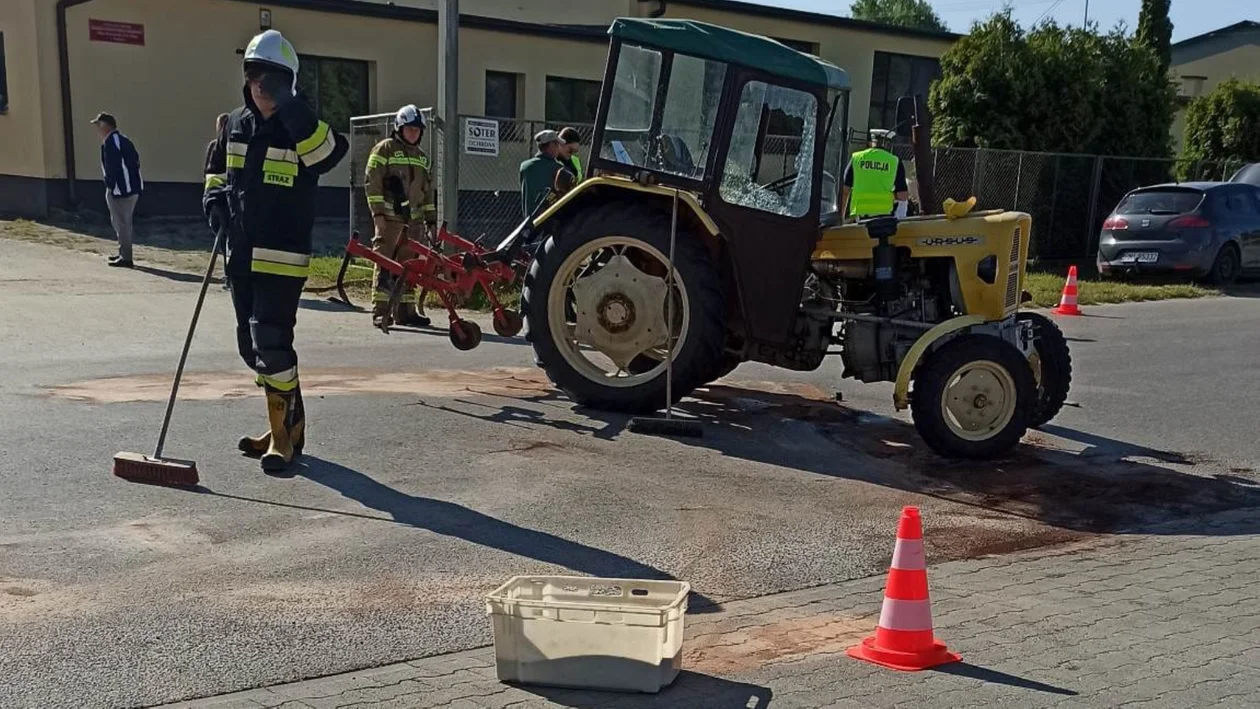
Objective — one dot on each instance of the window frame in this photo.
(886, 103)
(573, 82)
(307, 62)
(515, 81)
(4, 78)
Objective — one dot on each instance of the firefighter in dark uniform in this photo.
(399, 191)
(261, 187)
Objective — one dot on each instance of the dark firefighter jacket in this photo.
(265, 174)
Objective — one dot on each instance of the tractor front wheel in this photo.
(594, 303)
(1051, 362)
(973, 397)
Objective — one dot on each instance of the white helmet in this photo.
(273, 49)
(408, 115)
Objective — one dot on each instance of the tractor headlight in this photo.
(986, 270)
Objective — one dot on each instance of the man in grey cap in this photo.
(543, 177)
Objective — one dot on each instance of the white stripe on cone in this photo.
(905, 615)
(908, 555)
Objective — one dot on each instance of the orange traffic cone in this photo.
(1067, 304)
(904, 638)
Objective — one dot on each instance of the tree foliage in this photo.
(1225, 124)
(1054, 89)
(905, 13)
(1155, 29)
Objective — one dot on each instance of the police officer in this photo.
(875, 181)
(400, 195)
(261, 185)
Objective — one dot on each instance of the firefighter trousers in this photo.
(266, 311)
(386, 243)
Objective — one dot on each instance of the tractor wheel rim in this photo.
(979, 400)
(606, 306)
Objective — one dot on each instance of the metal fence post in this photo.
(1019, 174)
(1095, 194)
(448, 107)
(1054, 194)
(975, 172)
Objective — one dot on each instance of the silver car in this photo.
(1206, 230)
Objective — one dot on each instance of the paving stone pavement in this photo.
(1170, 619)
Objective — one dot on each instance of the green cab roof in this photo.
(729, 46)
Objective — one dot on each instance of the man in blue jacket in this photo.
(120, 165)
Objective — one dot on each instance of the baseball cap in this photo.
(546, 136)
(104, 118)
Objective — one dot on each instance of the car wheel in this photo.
(1226, 268)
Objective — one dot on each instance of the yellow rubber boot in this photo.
(287, 427)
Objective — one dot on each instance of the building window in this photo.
(4, 82)
(571, 100)
(501, 94)
(335, 89)
(894, 76)
(798, 45)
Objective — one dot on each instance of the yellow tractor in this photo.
(743, 139)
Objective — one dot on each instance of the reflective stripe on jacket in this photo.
(264, 174)
(396, 158)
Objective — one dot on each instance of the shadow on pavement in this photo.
(452, 520)
(1111, 487)
(172, 275)
(691, 690)
(984, 674)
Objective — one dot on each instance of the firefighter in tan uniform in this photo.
(400, 195)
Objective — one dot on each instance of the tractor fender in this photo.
(901, 393)
(686, 199)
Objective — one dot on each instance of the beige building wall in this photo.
(22, 127)
(849, 49)
(1201, 76)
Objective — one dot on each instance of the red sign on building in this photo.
(117, 32)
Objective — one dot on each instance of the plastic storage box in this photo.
(591, 633)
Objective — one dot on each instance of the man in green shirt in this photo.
(875, 181)
(543, 177)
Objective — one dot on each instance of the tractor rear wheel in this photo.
(594, 303)
(973, 397)
(1051, 362)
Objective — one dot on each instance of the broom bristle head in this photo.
(652, 426)
(138, 468)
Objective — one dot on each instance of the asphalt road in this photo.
(432, 476)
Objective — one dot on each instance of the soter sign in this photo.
(481, 137)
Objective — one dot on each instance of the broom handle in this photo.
(669, 314)
(183, 356)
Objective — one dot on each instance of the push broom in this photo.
(668, 426)
(155, 469)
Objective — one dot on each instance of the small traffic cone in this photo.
(1067, 304)
(904, 638)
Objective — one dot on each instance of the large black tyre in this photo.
(1226, 267)
(697, 355)
(1054, 360)
(938, 382)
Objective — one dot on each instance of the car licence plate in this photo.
(1140, 257)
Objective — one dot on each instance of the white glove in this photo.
(902, 210)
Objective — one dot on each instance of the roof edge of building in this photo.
(1213, 34)
(363, 8)
(748, 8)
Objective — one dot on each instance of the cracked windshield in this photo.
(673, 134)
(770, 162)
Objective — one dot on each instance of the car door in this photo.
(1249, 234)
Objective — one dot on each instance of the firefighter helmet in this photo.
(408, 115)
(271, 49)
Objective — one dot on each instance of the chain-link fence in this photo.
(1068, 195)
